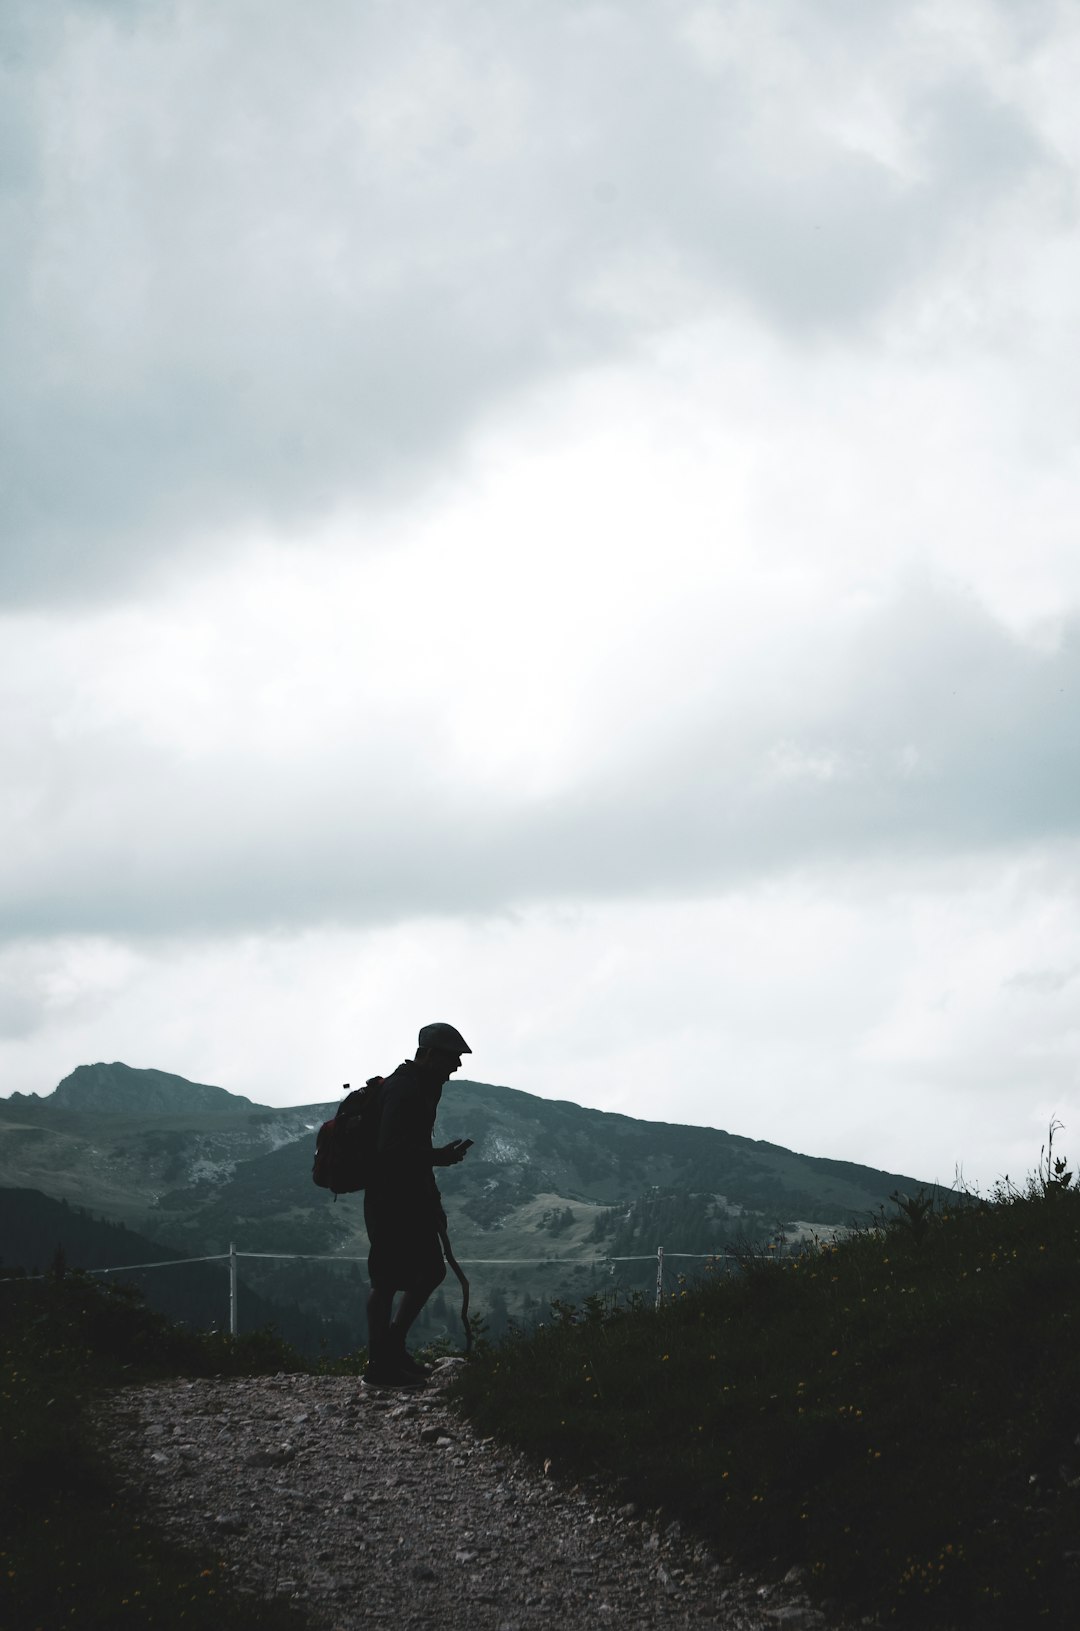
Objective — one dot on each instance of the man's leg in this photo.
(408, 1309)
(401, 1360)
(380, 1305)
(405, 1254)
(384, 1280)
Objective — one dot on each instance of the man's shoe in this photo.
(391, 1376)
(398, 1358)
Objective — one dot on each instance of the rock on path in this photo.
(377, 1509)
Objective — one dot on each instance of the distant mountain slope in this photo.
(120, 1162)
(545, 1180)
(527, 1143)
(142, 1141)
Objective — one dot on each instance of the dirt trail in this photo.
(385, 1510)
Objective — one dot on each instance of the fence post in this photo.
(659, 1275)
(232, 1288)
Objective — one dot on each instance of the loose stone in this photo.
(369, 1527)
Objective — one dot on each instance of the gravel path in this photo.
(374, 1509)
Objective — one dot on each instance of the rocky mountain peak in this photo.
(119, 1088)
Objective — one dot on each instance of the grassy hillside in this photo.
(897, 1414)
(122, 1162)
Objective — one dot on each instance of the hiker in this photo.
(402, 1205)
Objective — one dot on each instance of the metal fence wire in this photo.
(232, 1258)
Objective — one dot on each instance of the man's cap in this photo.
(443, 1037)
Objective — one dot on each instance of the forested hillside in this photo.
(38, 1235)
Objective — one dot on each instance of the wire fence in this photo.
(232, 1258)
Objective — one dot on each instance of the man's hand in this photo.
(450, 1154)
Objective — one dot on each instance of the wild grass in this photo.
(71, 1552)
(898, 1413)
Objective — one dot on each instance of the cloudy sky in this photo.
(561, 517)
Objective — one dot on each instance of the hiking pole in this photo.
(459, 1271)
(232, 1288)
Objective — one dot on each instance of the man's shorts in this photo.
(406, 1252)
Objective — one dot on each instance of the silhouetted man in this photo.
(402, 1205)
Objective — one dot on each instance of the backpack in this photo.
(346, 1146)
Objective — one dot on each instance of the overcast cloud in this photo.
(558, 517)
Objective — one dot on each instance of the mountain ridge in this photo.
(546, 1181)
(118, 1088)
